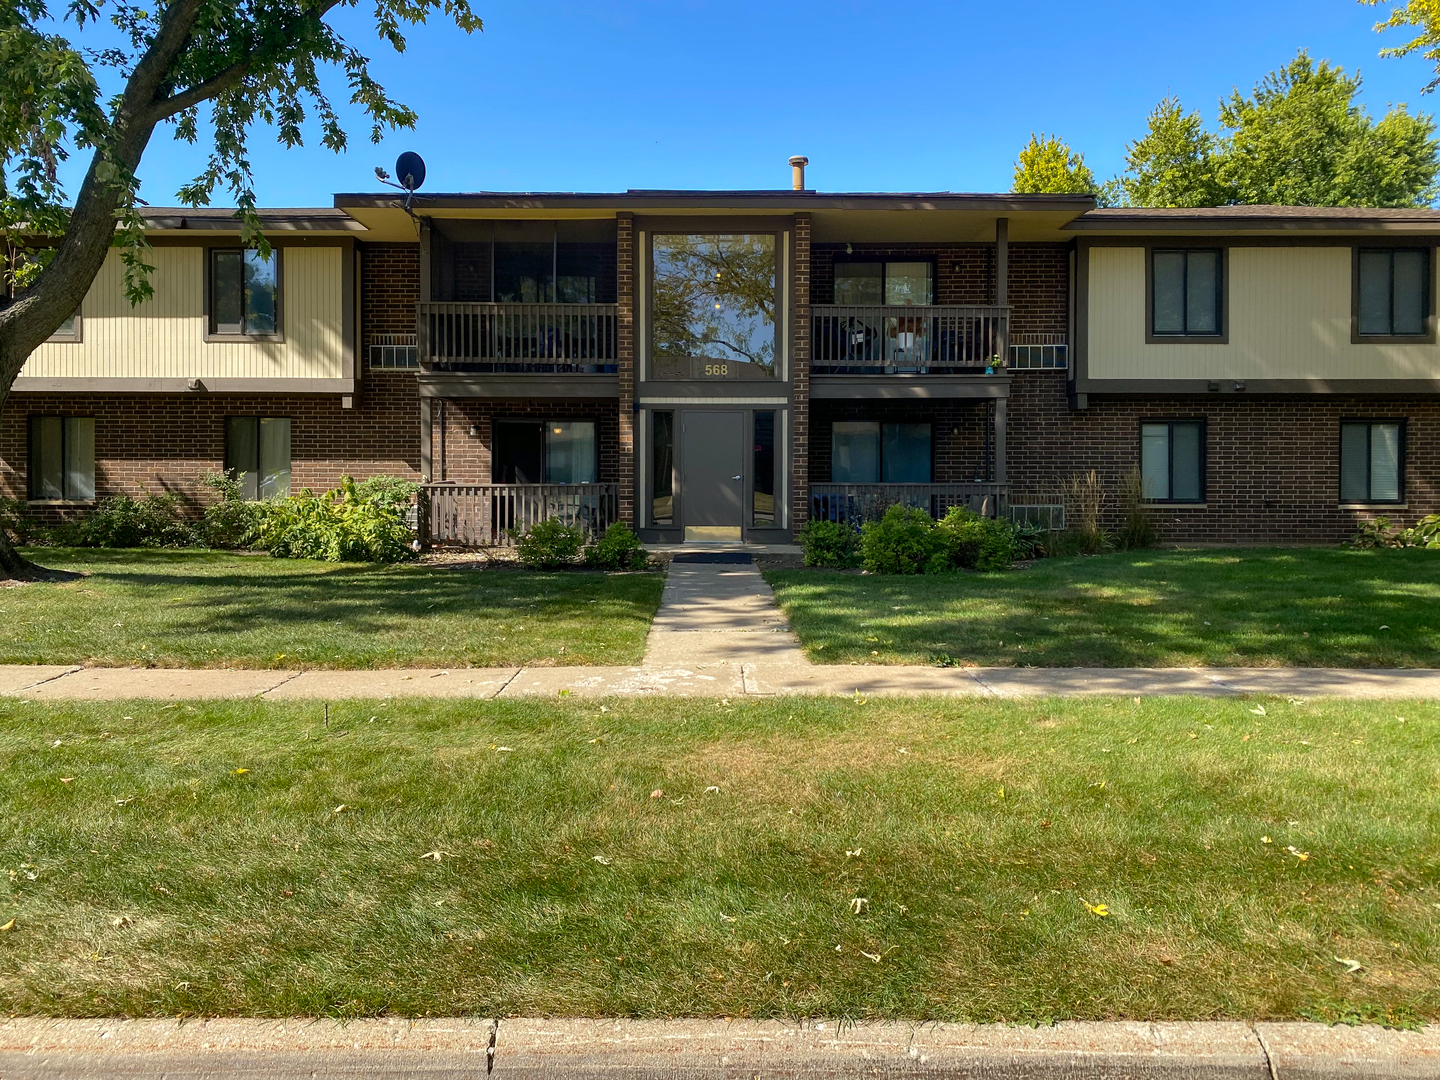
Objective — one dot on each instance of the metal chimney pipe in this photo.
(797, 172)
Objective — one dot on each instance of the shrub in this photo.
(19, 524)
(905, 541)
(549, 545)
(618, 549)
(1032, 540)
(232, 522)
(1381, 533)
(830, 543)
(339, 526)
(1139, 528)
(978, 543)
(123, 522)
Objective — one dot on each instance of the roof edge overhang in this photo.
(740, 201)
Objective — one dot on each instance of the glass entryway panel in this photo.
(714, 300)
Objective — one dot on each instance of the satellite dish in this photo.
(410, 170)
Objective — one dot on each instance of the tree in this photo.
(1300, 139)
(1425, 16)
(1047, 166)
(1175, 163)
(250, 61)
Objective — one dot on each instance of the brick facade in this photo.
(463, 458)
(800, 376)
(960, 433)
(1272, 463)
(625, 362)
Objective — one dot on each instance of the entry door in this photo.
(712, 474)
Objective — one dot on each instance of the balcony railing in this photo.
(497, 515)
(857, 503)
(902, 340)
(517, 337)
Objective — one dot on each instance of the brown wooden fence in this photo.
(497, 515)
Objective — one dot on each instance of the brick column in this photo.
(800, 370)
(625, 362)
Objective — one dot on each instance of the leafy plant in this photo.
(232, 522)
(976, 542)
(550, 545)
(19, 524)
(1139, 528)
(1031, 539)
(339, 526)
(906, 540)
(1382, 533)
(120, 521)
(618, 549)
(831, 544)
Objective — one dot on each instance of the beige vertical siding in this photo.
(1289, 319)
(164, 337)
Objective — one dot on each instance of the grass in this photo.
(209, 609)
(1011, 861)
(1307, 607)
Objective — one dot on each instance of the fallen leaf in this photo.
(8, 926)
(875, 957)
(122, 921)
(712, 790)
(1264, 840)
(1301, 855)
(1259, 710)
(601, 859)
(1352, 966)
(504, 749)
(340, 808)
(853, 854)
(437, 855)
(241, 772)
(859, 904)
(1097, 909)
(657, 794)
(727, 918)
(67, 779)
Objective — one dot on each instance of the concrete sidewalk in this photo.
(718, 633)
(643, 1049)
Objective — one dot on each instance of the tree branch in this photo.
(187, 99)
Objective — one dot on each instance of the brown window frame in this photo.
(211, 335)
(1425, 338)
(1223, 337)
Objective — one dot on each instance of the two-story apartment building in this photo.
(722, 365)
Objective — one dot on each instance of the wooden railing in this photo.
(517, 337)
(497, 515)
(900, 340)
(858, 503)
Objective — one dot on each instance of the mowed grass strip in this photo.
(1308, 607)
(211, 609)
(916, 859)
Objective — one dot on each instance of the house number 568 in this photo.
(717, 369)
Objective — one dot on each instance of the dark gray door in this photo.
(712, 468)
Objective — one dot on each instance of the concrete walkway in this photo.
(718, 633)
(645, 1049)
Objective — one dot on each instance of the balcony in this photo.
(512, 350)
(905, 340)
(497, 515)
(854, 504)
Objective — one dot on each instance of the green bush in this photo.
(550, 545)
(618, 549)
(1032, 540)
(151, 521)
(905, 541)
(340, 526)
(232, 522)
(978, 543)
(1381, 533)
(829, 543)
(19, 524)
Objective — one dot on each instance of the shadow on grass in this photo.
(1306, 607)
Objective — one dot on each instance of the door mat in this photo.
(713, 557)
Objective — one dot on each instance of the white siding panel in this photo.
(164, 337)
(1289, 319)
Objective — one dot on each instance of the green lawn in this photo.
(1309, 607)
(209, 609)
(934, 858)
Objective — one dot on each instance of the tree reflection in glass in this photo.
(714, 300)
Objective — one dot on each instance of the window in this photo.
(257, 453)
(541, 272)
(553, 452)
(662, 469)
(872, 283)
(714, 306)
(69, 330)
(1172, 461)
(244, 293)
(1185, 293)
(763, 469)
(1371, 457)
(1392, 292)
(62, 458)
(865, 452)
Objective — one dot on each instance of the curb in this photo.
(644, 1049)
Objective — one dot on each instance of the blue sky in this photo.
(881, 96)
